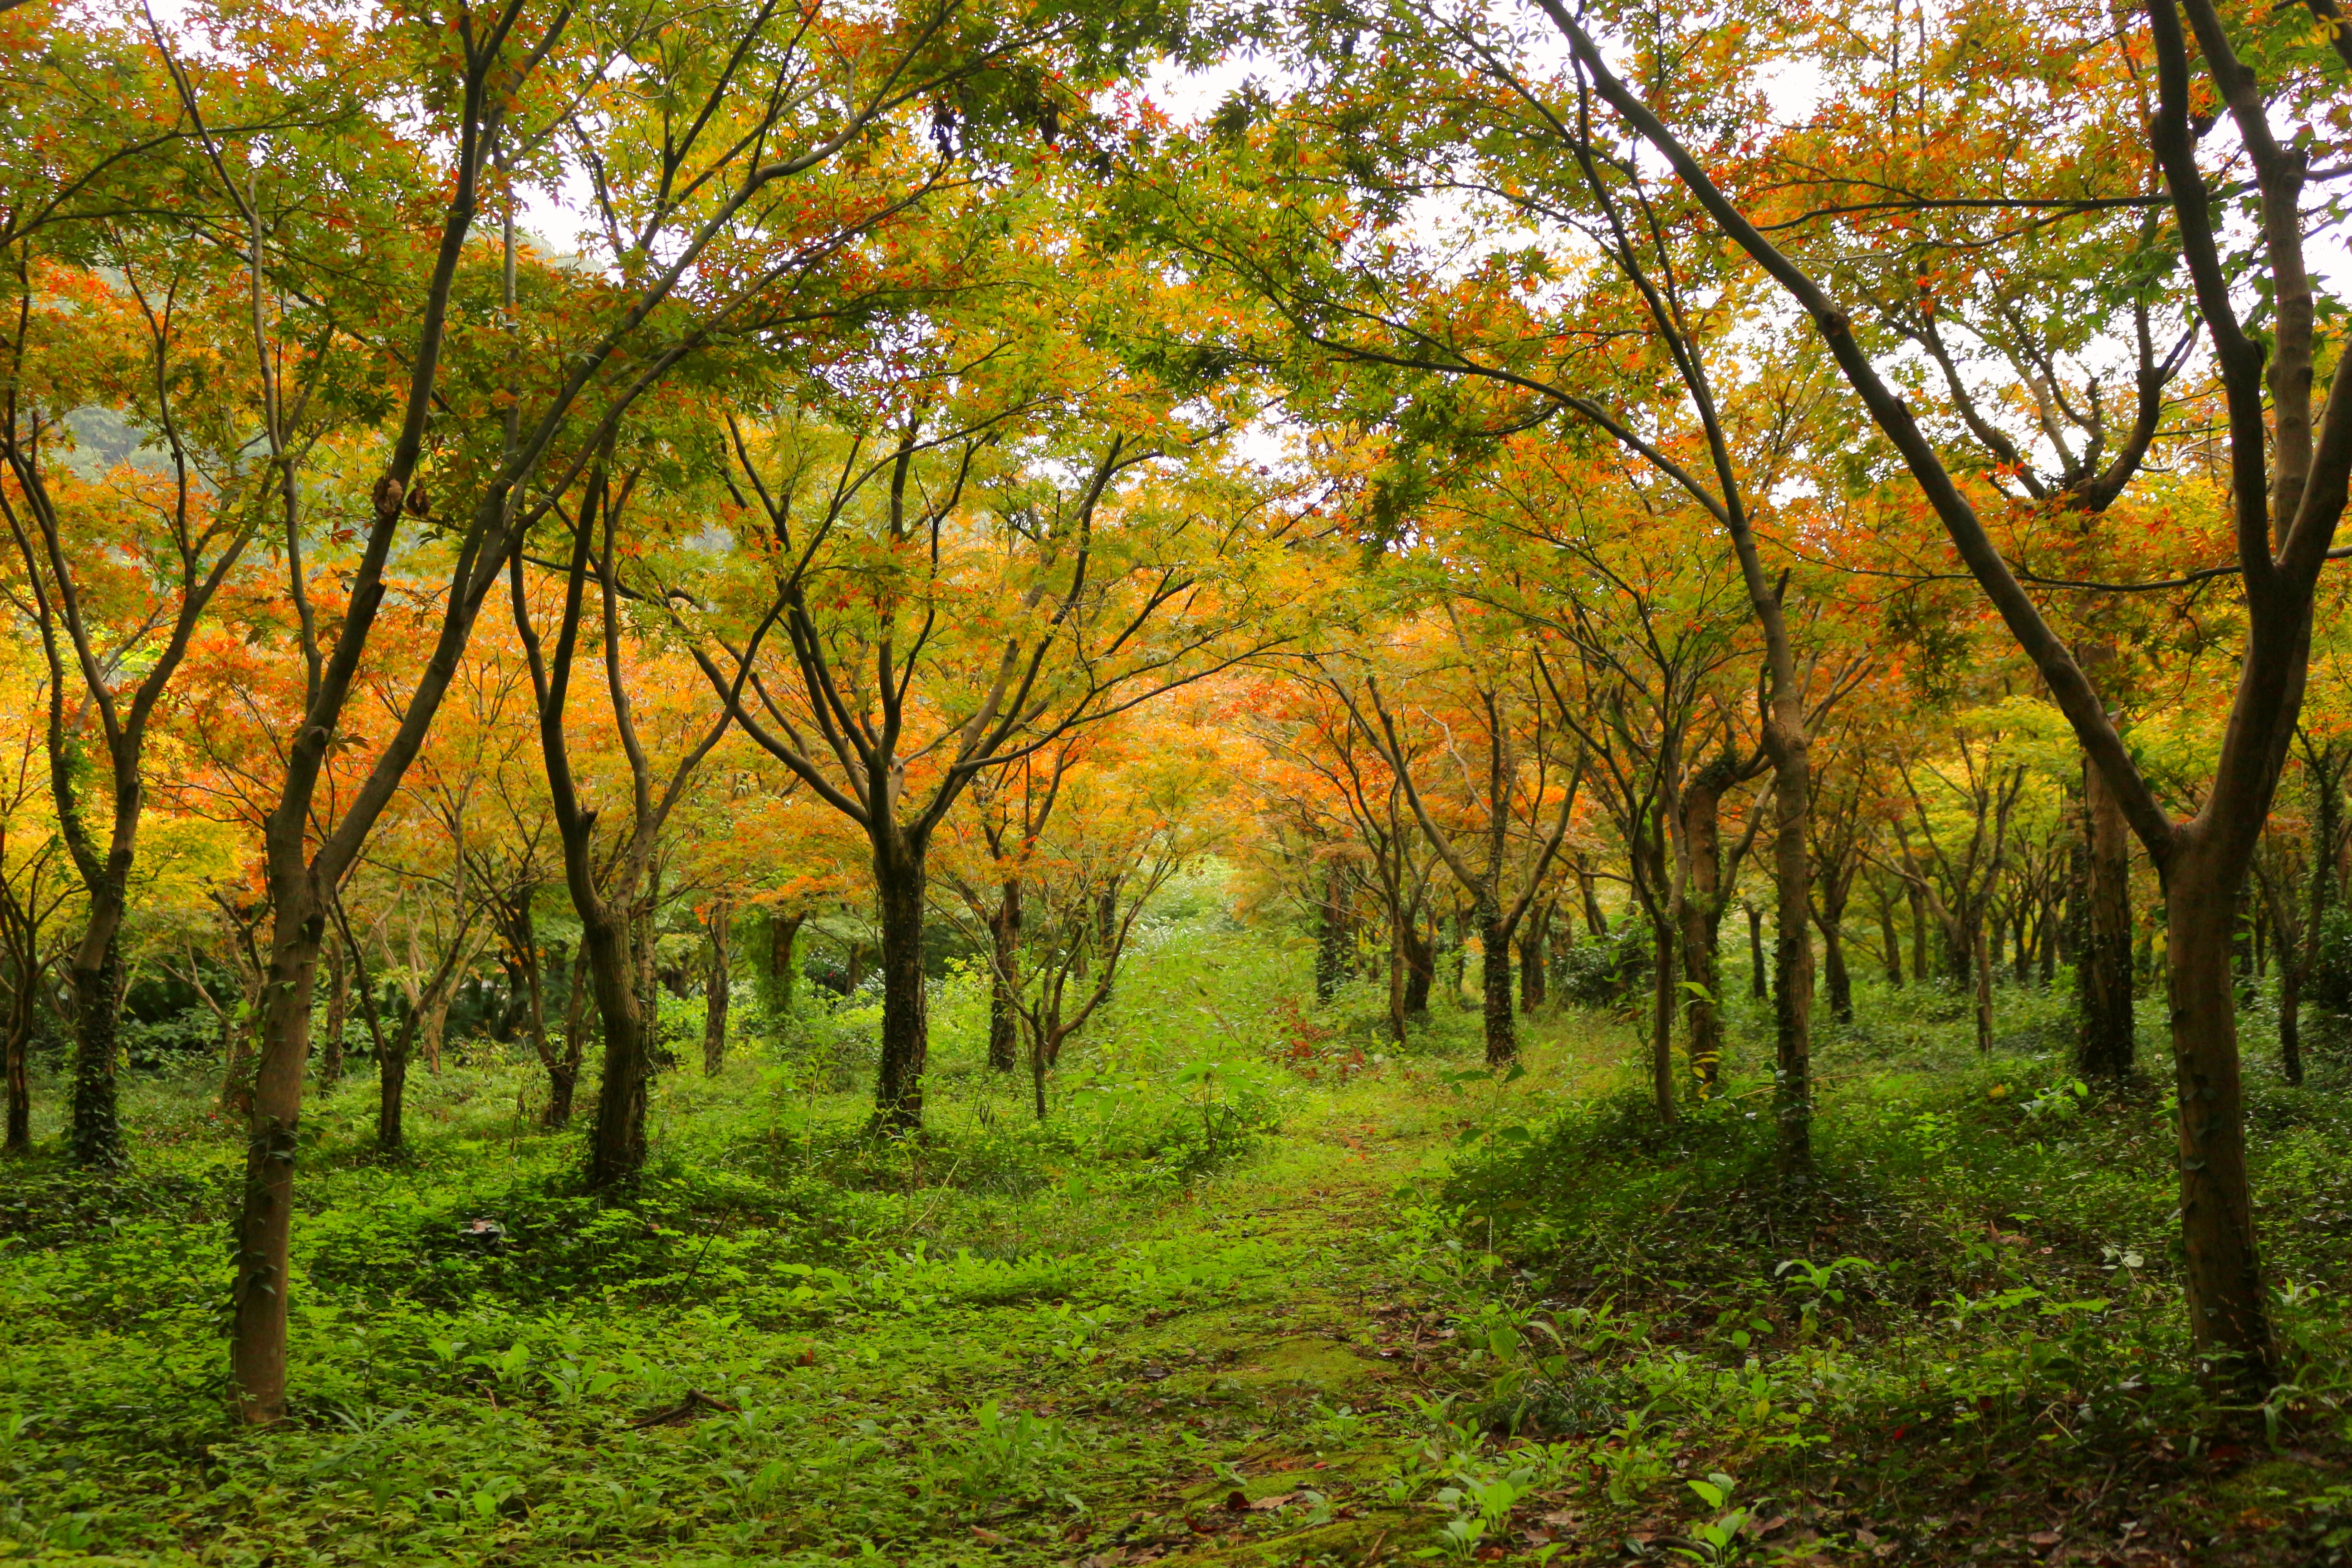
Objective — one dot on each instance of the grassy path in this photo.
(1215, 1387)
(1274, 1373)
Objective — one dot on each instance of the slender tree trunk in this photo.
(436, 1020)
(2073, 926)
(1005, 980)
(20, 1086)
(1792, 955)
(1400, 933)
(392, 1092)
(616, 1142)
(97, 979)
(1661, 1017)
(563, 1073)
(1596, 924)
(1833, 972)
(513, 1004)
(1694, 913)
(339, 1004)
(2045, 946)
(719, 992)
(1918, 902)
(2290, 1025)
(2242, 952)
(2227, 1310)
(783, 967)
(1983, 973)
(2103, 970)
(906, 1023)
(265, 1227)
(1037, 1070)
(1420, 966)
(1330, 933)
(1107, 935)
(1396, 986)
(1759, 986)
(1891, 940)
(1531, 958)
(236, 1060)
(1495, 978)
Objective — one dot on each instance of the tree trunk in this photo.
(392, 1092)
(237, 1059)
(1695, 914)
(1983, 973)
(1494, 977)
(1531, 958)
(264, 1226)
(1004, 981)
(2242, 940)
(1420, 966)
(1396, 980)
(436, 1020)
(783, 967)
(1792, 955)
(97, 976)
(2290, 1025)
(1758, 985)
(1596, 924)
(906, 1024)
(1918, 902)
(514, 1005)
(1833, 973)
(1661, 1017)
(1963, 940)
(339, 1004)
(1330, 934)
(563, 1073)
(718, 992)
(1893, 942)
(616, 1143)
(1107, 935)
(2103, 968)
(20, 1087)
(2228, 1313)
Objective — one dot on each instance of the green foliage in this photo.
(794, 1342)
(1608, 972)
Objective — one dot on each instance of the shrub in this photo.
(1608, 972)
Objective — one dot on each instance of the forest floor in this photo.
(1259, 1293)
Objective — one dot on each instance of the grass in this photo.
(1263, 1289)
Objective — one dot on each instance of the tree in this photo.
(170, 544)
(617, 909)
(1500, 783)
(956, 586)
(2285, 509)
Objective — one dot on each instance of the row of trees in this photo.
(1615, 479)
(824, 458)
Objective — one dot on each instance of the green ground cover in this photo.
(1263, 1289)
